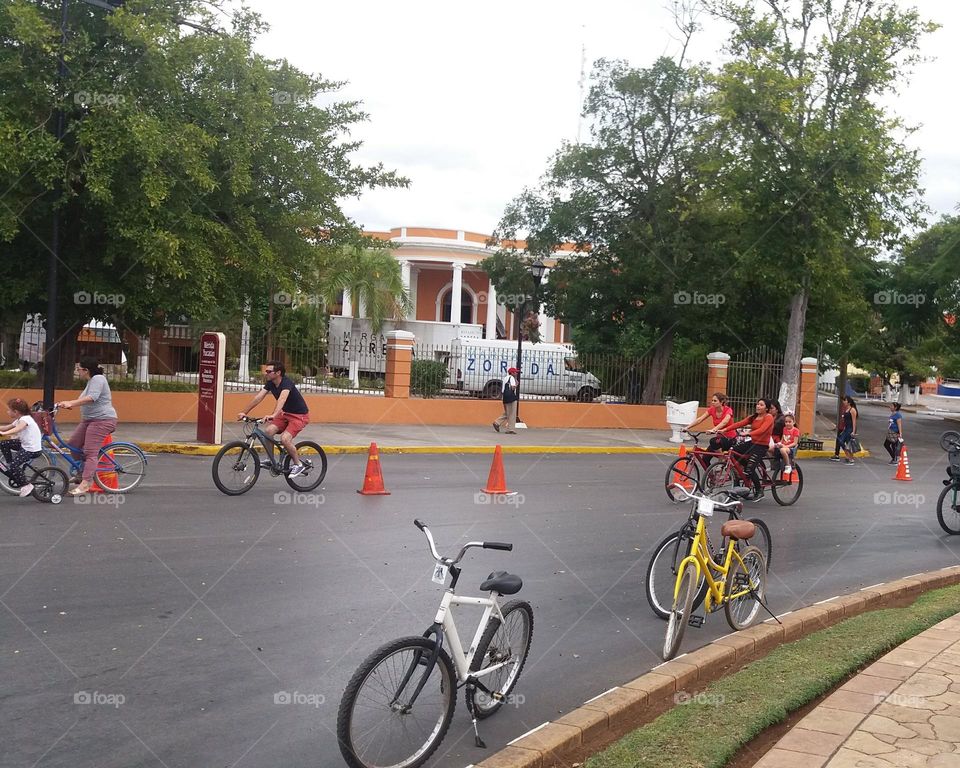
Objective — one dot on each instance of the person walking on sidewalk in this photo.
(510, 397)
(23, 445)
(894, 440)
(846, 428)
(97, 420)
(291, 414)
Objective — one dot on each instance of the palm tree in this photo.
(373, 278)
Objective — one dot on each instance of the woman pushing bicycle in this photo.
(97, 420)
(761, 426)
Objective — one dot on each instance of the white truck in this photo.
(479, 365)
(356, 335)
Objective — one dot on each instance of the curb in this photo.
(604, 717)
(190, 449)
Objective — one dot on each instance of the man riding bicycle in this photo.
(291, 414)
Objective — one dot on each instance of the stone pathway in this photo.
(903, 710)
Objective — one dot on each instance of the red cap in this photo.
(512, 370)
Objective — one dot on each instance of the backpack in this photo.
(43, 420)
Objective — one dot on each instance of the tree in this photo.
(638, 202)
(194, 172)
(825, 180)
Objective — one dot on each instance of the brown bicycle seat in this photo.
(738, 529)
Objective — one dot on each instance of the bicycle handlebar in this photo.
(695, 497)
(453, 561)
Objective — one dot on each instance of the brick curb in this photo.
(638, 701)
(191, 449)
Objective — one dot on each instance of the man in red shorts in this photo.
(291, 414)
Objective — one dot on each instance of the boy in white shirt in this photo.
(22, 449)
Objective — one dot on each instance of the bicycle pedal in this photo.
(741, 579)
(696, 621)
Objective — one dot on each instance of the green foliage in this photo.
(195, 172)
(707, 732)
(427, 377)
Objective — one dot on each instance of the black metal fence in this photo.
(752, 375)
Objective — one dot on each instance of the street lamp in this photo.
(537, 270)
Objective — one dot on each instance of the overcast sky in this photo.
(470, 100)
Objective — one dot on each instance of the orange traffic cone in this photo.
(787, 477)
(497, 480)
(903, 468)
(373, 477)
(682, 480)
(109, 479)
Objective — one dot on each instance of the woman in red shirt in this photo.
(761, 430)
(721, 414)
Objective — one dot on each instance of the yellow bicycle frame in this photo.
(704, 563)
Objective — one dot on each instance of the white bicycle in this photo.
(398, 705)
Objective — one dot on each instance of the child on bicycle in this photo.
(789, 442)
(21, 450)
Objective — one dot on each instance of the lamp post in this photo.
(537, 270)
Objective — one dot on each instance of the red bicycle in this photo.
(730, 472)
(689, 472)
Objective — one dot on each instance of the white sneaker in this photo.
(295, 470)
(787, 470)
(26, 490)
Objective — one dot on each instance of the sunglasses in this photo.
(270, 371)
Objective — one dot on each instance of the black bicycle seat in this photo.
(502, 582)
(739, 492)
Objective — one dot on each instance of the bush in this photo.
(19, 380)
(427, 377)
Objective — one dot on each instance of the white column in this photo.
(143, 358)
(456, 293)
(361, 307)
(414, 279)
(492, 311)
(546, 323)
(243, 373)
(405, 277)
(347, 310)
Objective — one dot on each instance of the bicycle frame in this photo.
(270, 445)
(61, 447)
(703, 561)
(445, 627)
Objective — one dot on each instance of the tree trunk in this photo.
(790, 378)
(653, 390)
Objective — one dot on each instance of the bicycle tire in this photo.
(351, 725)
(950, 440)
(949, 521)
(240, 456)
(41, 461)
(50, 485)
(121, 467)
(680, 612)
(719, 475)
(310, 452)
(502, 638)
(661, 577)
(684, 470)
(742, 611)
(781, 492)
(762, 540)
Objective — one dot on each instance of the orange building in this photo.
(440, 270)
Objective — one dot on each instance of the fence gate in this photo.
(752, 375)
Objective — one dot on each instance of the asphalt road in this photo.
(170, 629)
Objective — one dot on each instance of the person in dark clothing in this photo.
(291, 414)
(761, 429)
(894, 440)
(846, 428)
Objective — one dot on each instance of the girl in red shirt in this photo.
(789, 441)
(721, 414)
(761, 429)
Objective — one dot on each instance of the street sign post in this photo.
(210, 406)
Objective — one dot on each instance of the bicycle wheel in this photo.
(761, 540)
(377, 726)
(50, 484)
(236, 468)
(121, 467)
(686, 472)
(41, 461)
(750, 574)
(950, 440)
(786, 494)
(680, 612)
(662, 574)
(315, 462)
(948, 513)
(502, 643)
(719, 476)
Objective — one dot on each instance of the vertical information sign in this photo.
(210, 407)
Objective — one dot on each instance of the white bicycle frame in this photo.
(444, 618)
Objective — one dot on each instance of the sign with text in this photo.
(210, 407)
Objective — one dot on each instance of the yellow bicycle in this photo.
(738, 584)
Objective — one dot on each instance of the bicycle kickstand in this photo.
(762, 603)
(471, 687)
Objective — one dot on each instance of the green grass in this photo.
(708, 731)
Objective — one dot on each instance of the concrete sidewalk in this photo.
(903, 710)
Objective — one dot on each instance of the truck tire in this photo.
(587, 394)
(492, 390)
